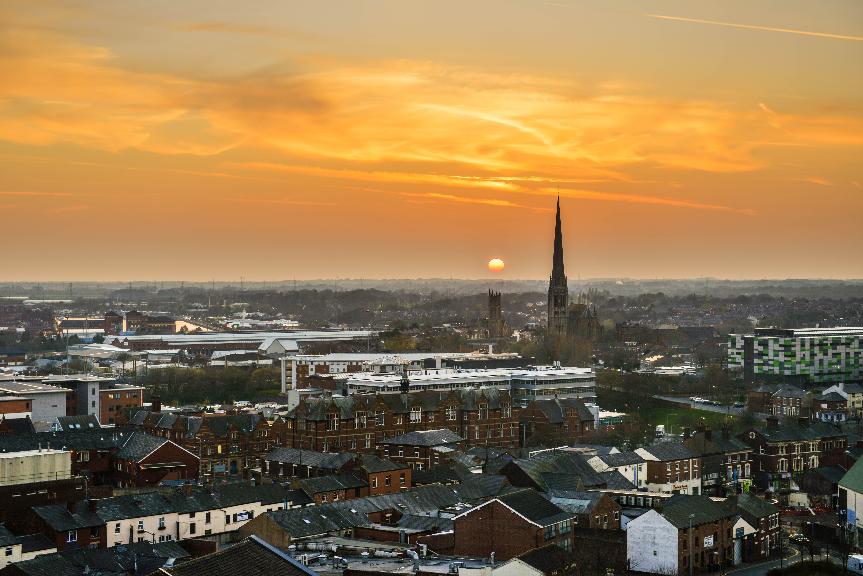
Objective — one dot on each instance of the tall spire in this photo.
(557, 261)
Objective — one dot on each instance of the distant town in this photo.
(463, 430)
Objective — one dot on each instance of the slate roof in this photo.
(621, 459)
(18, 425)
(139, 445)
(60, 519)
(550, 559)
(533, 506)
(132, 506)
(101, 439)
(752, 507)
(853, 479)
(812, 431)
(325, 460)
(116, 561)
(830, 397)
(251, 557)
(700, 445)
(555, 409)
(332, 483)
(671, 450)
(576, 502)
(483, 486)
(373, 464)
(424, 438)
(556, 468)
(425, 523)
(317, 520)
(616, 481)
(7, 538)
(678, 508)
(789, 392)
(72, 423)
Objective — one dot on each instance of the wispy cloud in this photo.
(436, 196)
(643, 199)
(757, 27)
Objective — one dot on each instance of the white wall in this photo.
(651, 544)
(128, 530)
(47, 406)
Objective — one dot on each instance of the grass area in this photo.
(653, 412)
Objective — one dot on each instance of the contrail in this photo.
(754, 27)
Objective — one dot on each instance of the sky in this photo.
(282, 139)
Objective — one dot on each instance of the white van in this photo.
(855, 563)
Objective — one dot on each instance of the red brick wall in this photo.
(15, 405)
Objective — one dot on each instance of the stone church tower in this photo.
(558, 293)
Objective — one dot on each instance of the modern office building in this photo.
(798, 355)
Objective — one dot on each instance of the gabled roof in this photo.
(60, 519)
(139, 445)
(753, 508)
(530, 505)
(621, 459)
(668, 450)
(372, 464)
(557, 469)
(73, 423)
(678, 508)
(789, 392)
(115, 561)
(811, 431)
(439, 437)
(555, 409)
(333, 483)
(251, 557)
(831, 397)
(325, 460)
(700, 445)
(575, 501)
(551, 559)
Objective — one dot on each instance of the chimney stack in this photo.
(91, 505)
(772, 422)
(726, 432)
(708, 434)
(156, 403)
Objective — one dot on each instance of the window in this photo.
(116, 528)
(506, 410)
(374, 481)
(9, 551)
(416, 414)
(368, 440)
(388, 481)
(360, 420)
(192, 528)
(71, 536)
(402, 479)
(333, 421)
(140, 525)
(483, 411)
(207, 517)
(162, 523)
(450, 413)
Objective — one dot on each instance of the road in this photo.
(699, 406)
(792, 557)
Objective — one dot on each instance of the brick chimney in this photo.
(156, 403)
(708, 434)
(91, 505)
(772, 422)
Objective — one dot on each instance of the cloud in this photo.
(756, 27)
(642, 199)
(281, 201)
(435, 196)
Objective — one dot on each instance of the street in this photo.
(700, 406)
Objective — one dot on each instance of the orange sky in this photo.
(290, 139)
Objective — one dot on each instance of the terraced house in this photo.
(227, 445)
(482, 416)
(780, 452)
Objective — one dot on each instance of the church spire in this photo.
(557, 261)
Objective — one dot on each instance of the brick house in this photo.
(557, 420)
(591, 509)
(830, 407)
(323, 489)
(780, 452)
(75, 525)
(764, 517)
(760, 398)
(145, 460)
(687, 527)
(384, 476)
(482, 416)
(790, 401)
(227, 445)
(509, 525)
(726, 461)
(671, 468)
(421, 450)
(296, 463)
(115, 402)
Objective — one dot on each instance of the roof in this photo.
(811, 431)
(556, 469)
(333, 483)
(789, 392)
(326, 460)
(115, 561)
(551, 559)
(7, 538)
(532, 506)
(755, 507)
(575, 501)
(668, 450)
(60, 519)
(139, 445)
(831, 397)
(853, 479)
(621, 459)
(678, 508)
(373, 464)
(555, 409)
(72, 423)
(251, 557)
(424, 438)
(700, 445)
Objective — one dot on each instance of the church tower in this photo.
(558, 293)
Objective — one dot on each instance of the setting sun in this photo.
(496, 265)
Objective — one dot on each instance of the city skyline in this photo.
(403, 140)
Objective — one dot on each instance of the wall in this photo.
(651, 544)
(34, 466)
(48, 406)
